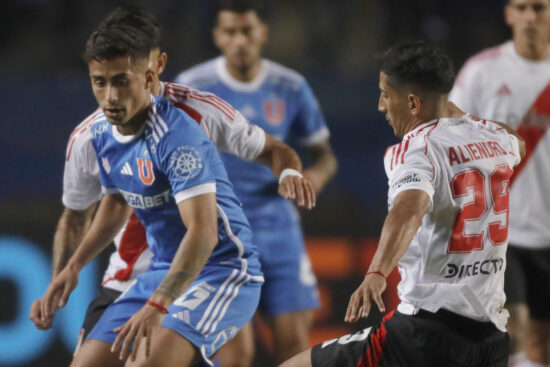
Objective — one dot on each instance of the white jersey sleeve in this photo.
(230, 131)
(81, 186)
(409, 166)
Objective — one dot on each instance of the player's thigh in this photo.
(239, 351)
(302, 359)
(168, 349)
(291, 332)
(290, 284)
(94, 353)
(537, 346)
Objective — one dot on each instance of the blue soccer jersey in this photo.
(168, 161)
(281, 102)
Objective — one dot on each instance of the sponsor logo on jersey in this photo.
(486, 267)
(274, 110)
(100, 129)
(186, 162)
(138, 201)
(127, 170)
(106, 165)
(412, 178)
(146, 174)
(503, 91)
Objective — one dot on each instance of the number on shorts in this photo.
(474, 210)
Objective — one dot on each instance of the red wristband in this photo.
(157, 305)
(377, 272)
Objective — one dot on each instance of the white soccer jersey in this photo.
(457, 258)
(224, 125)
(498, 84)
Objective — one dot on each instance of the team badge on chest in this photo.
(146, 174)
(186, 162)
(274, 110)
(106, 165)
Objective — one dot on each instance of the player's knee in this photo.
(302, 359)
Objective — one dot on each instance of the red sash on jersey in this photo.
(533, 126)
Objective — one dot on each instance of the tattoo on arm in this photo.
(172, 284)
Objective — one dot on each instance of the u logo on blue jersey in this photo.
(147, 176)
(274, 110)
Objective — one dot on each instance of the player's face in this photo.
(393, 103)
(529, 19)
(240, 37)
(121, 89)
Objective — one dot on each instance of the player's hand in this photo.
(141, 325)
(58, 292)
(361, 300)
(298, 189)
(41, 323)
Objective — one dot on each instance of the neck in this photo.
(437, 110)
(535, 51)
(132, 126)
(246, 74)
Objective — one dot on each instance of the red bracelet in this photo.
(158, 305)
(377, 272)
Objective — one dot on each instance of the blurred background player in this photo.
(448, 203)
(281, 102)
(82, 188)
(511, 83)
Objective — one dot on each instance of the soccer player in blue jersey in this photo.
(282, 103)
(204, 281)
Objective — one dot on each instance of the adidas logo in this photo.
(503, 91)
(183, 316)
(127, 170)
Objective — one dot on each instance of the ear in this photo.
(508, 15)
(265, 32)
(162, 59)
(149, 78)
(217, 36)
(414, 103)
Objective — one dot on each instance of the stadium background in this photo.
(45, 92)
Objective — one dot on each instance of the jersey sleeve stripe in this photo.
(397, 155)
(405, 151)
(216, 106)
(195, 115)
(392, 154)
(224, 107)
(205, 188)
(80, 130)
(213, 97)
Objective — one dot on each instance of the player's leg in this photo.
(96, 353)
(95, 310)
(239, 351)
(290, 293)
(168, 349)
(291, 333)
(515, 286)
(538, 300)
(302, 359)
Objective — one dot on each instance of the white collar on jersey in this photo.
(511, 49)
(127, 138)
(237, 85)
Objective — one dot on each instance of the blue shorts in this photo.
(290, 284)
(212, 310)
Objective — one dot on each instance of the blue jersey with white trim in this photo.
(281, 102)
(168, 161)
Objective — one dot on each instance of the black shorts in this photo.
(95, 310)
(527, 280)
(442, 339)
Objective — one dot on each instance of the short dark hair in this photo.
(137, 18)
(126, 31)
(420, 65)
(242, 6)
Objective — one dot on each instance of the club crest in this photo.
(186, 162)
(274, 110)
(146, 174)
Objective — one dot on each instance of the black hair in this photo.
(137, 18)
(420, 65)
(126, 31)
(242, 6)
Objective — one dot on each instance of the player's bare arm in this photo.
(111, 215)
(279, 156)
(199, 214)
(69, 232)
(324, 165)
(400, 226)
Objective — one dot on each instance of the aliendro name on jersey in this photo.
(138, 201)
